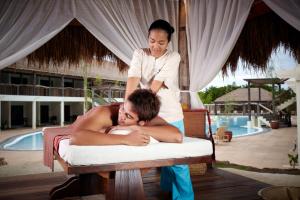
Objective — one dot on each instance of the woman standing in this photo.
(156, 68)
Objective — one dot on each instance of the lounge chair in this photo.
(220, 136)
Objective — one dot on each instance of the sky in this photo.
(280, 61)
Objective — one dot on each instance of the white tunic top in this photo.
(164, 69)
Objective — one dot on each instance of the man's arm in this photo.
(159, 129)
(86, 130)
(90, 138)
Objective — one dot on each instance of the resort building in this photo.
(33, 95)
(236, 102)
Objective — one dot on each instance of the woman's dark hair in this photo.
(163, 25)
(145, 104)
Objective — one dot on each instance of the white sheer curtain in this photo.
(121, 25)
(27, 25)
(289, 10)
(213, 28)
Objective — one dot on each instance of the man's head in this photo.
(141, 106)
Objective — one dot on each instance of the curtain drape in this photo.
(121, 25)
(289, 10)
(25, 25)
(213, 28)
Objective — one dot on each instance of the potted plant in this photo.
(274, 124)
(293, 156)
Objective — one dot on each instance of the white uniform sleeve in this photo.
(169, 69)
(135, 69)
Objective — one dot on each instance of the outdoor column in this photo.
(0, 117)
(215, 109)
(259, 100)
(34, 115)
(249, 105)
(38, 113)
(273, 99)
(184, 78)
(62, 113)
(9, 114)
(298, 111)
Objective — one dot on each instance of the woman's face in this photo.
(158, 42)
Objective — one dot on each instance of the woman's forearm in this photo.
(155, 86)
(165, 133)
(132, 84)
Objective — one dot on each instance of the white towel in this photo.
(127, 131)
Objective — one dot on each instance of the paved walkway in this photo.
(265, 150)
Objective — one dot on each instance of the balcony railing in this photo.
(39, 90)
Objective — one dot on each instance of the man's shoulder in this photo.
(100, 110)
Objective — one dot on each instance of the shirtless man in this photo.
(138, 114)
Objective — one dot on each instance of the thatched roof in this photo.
(73, 45)
(241, 95)
(262, 34)
(264, 81)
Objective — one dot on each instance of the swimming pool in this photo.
(34, 141)
(30, 141)
(236, 124)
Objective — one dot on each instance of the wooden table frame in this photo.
(124, 179)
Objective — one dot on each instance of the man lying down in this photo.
(138, 115)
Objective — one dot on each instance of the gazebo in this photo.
(239, 100)
(260, 82)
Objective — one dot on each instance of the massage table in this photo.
(120, 166)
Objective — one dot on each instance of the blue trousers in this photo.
(177, 178)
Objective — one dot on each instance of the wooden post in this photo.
(34, 115)
(273, 99)
(184, 78)
(249, 99)
(259, 100)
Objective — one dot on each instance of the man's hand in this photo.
(135, 138)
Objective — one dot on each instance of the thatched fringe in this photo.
(259, 38)
(71, 45)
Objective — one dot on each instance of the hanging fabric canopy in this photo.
(270, 32)
(120, 25)
(213, 28)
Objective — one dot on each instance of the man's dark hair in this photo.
(163, 25)
(145, 104)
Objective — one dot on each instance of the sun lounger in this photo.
(122, 165)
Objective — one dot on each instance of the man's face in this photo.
(126, 115)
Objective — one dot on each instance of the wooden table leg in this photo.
(126, 184)
(84, 184)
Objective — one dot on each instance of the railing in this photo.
(39, 90)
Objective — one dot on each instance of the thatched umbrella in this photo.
(263, 33)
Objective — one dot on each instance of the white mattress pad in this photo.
(109, 154)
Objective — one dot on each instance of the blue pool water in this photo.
(34, 141)
(31, 141)
(236, 124)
